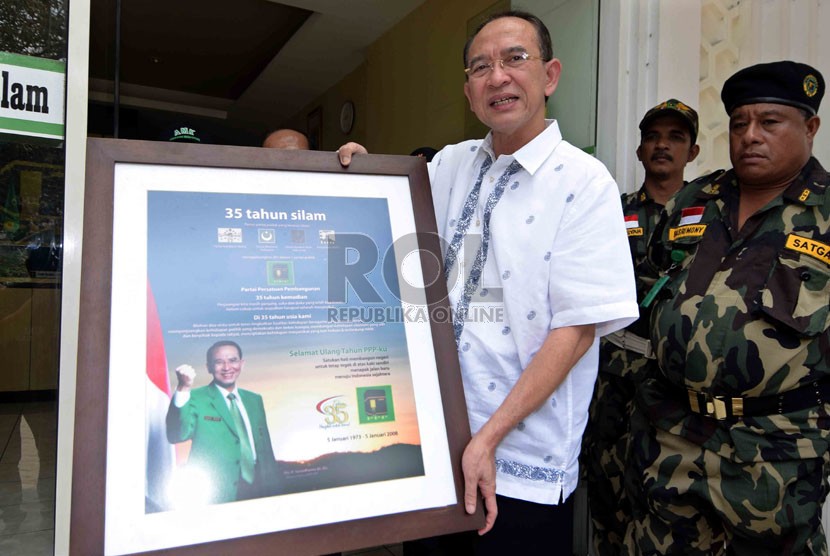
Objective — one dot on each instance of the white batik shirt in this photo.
(557, 255)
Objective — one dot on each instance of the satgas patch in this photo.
(690, 230)
(810, 247)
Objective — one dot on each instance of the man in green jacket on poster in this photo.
(231, 453)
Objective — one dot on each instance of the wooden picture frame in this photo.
(131, 189)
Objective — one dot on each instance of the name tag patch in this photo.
(635, 232)
(212, 418)
(692, 230)
(809, 247)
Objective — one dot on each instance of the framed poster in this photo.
(312, 293)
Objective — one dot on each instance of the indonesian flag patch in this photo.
(690, 215)
(632, 221)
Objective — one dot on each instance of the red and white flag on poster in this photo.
(691, 215)
(160, 453)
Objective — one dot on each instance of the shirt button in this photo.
(805, 276)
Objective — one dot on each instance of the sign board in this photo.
(32, 96)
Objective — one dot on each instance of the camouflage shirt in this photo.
(641, 214)
(745, 312)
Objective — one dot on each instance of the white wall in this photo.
(573, 26)
(735, 35)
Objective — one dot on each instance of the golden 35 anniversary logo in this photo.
(334, 411)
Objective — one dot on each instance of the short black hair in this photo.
(217, 345)
(427, 152)
(542, 33)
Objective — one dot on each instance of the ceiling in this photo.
(256, 62)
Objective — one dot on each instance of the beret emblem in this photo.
(810, 85)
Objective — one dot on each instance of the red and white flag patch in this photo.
(690, 215)
(632, 221)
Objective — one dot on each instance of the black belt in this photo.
(814, 394)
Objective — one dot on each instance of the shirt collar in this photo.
(808, 188)
(643, 196)
(720, 183)
(225, 392)
(532, 155)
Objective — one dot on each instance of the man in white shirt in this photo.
(545, 223)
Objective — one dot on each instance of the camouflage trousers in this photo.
(691, 500)
(606, 444)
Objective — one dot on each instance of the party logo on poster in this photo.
(297, 236)
(327, 237)
(375, 404)
(267, 236)
(229, 235)
(280, 273)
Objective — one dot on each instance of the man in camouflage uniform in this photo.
(667, 143)
(730, 447)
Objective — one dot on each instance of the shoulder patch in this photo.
(691, 215)
(708, 178)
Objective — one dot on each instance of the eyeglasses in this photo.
(514, 61)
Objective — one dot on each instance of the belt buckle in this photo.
(716, 407)
(712, 406)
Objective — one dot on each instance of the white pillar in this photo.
(649, 52)
(75, 165)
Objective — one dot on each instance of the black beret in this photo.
(786, 82)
